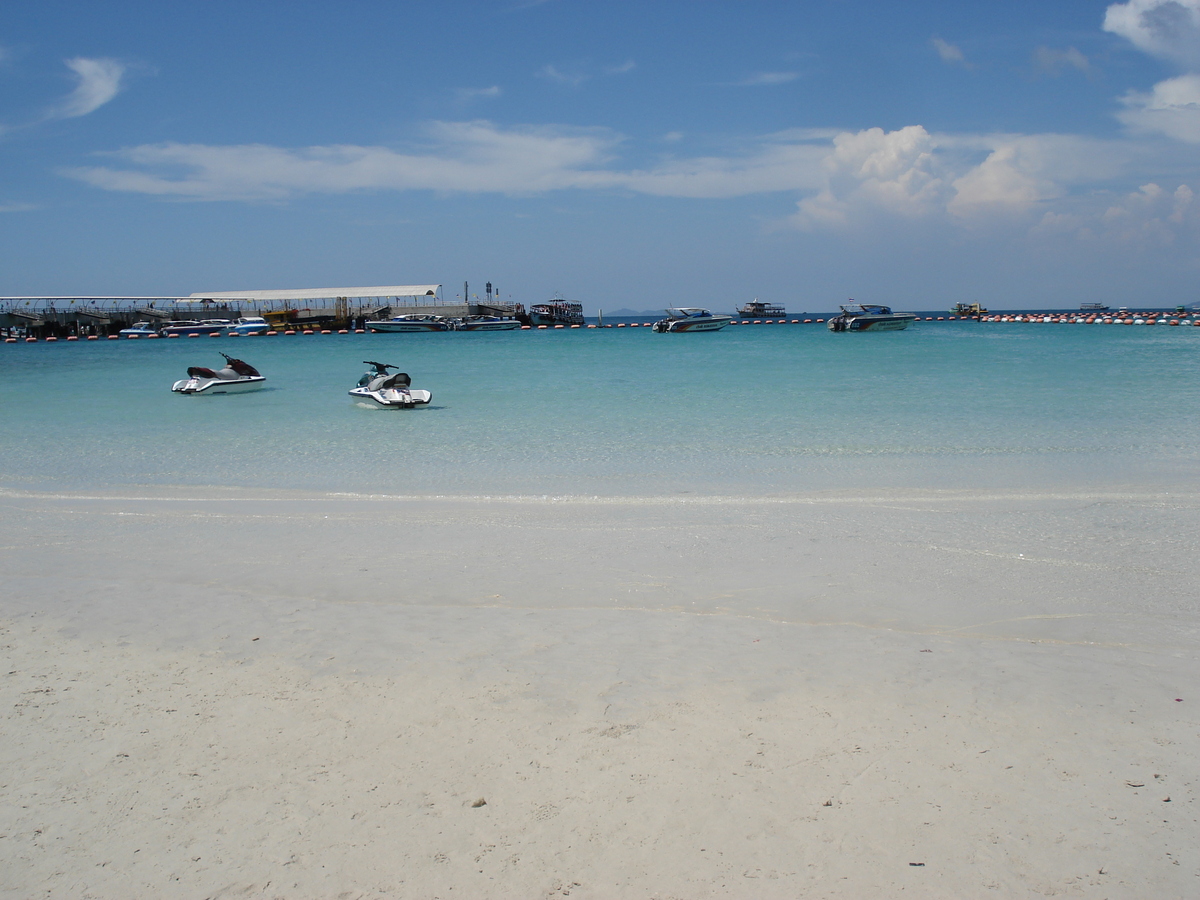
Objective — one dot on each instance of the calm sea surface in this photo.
(748, 411)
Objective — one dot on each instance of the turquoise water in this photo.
(751, 410)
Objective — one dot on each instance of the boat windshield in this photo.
(687, 312)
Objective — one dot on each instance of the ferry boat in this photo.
(757, 309)
(967, 309)
(557, 312)
(410, 323)
(690, 318)
(869, 317)
(1093, 307)
(486, 323)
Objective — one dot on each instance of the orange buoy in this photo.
(114, 337)
(72, 337)
(92, 337)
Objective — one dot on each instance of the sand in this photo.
(939, 694)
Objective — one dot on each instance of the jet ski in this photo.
(388, 391)
(235, 377)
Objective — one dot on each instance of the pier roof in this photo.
(394, 290)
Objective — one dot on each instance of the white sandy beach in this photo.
(839, 695)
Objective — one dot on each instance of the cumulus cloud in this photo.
(1149, 216)
(948, 52)
(1171, 108)
(99, 81)
(1168, 29)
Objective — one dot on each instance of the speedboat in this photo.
(410, 323)
(557, 312)
(235, 377)
(381, 389)
(757, 309)
(191, 326)
(139, 329)
(249, 325)
(690, 318)
(869, 317)
(486, 323)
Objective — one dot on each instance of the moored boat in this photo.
(410, 323)
(967, 309)
(486, 323)
(557, 312)
(139, 329)
(758, 309)
(1093, 307)
(869, 317)
(249, 325)
(236, 377)
(690, 318)
(191, 326)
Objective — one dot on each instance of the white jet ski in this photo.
(236, 377)
(380, 389)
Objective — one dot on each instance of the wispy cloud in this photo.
(466, 95)
(767, 79)
(18, 207)
(573, 78)
(950, 53)
(628, 66)
(99, 81)
(1049, 61)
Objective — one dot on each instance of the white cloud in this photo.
(18, 207)
(1048, 61)
(487, 93)
(1149, 216)
(767, 79)
(1169, 29)
(628, 66)
(1171, 108)
(99, 82)
(948, 52)
(573, 78)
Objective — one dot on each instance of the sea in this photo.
(750, 411)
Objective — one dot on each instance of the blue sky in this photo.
(625, 154)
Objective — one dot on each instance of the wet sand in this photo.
(838, 695)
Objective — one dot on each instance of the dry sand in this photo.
(939, 695)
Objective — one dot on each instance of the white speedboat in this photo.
(869, 317)
(380, 389)
(486, 323)
(410, 323)
(139, 329)
(690, 318)
(191, 326)
(235, 377)
(249, 325)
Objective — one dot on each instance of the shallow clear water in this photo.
(750, 410)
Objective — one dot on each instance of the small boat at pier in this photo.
(249, 325)
(410, 323)
(869, 317)
(486, 323)
(139, 329)
(690, 318)
(387, 391)
(236, 377)
(191, 326)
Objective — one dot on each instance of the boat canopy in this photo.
(394, 290)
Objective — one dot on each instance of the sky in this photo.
(640, 155)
